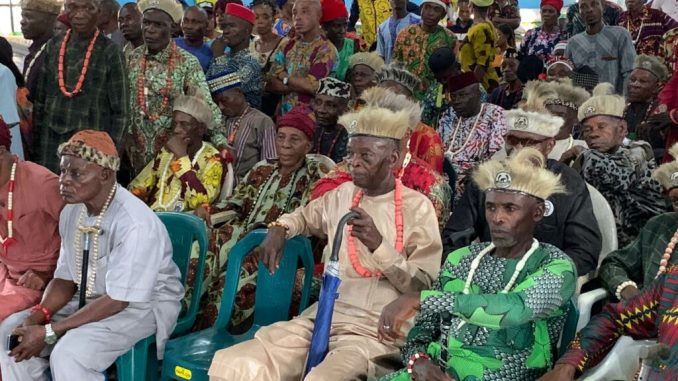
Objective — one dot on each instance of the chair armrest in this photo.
(585, 303)
(221, 217)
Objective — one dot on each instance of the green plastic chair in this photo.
(189, 357)
(141, 363)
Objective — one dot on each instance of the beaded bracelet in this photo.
(278, 224)
(45, 311)
(622, 286)
(414, 358)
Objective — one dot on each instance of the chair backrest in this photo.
(228, 182)
(570, 327)
(183, 230)
(606, 223)
(273, 292)
(322, 159)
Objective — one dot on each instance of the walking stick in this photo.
(86, 232)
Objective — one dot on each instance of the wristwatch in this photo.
(50, 336)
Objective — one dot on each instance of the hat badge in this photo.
(674, 179)
(354, 124)
(646, 65)
(502, 180)
(590, 110)
(521, 122)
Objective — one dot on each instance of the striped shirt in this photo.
(610, 53)
(254, 140)
(388, 32)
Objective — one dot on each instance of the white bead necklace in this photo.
(6, 241)
(95, 230)
(516, 272)
(163, 180)
(450, 143)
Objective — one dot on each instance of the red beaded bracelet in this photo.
(414, 358)
(45, 311)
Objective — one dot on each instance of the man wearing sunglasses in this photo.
(568, 222)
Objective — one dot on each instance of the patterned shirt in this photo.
(147, 136)
(185, 183)
(472, 140)
(575, 24)
(647, 29)
(296, 58)
(650, 315)
(414, 46)
(388, 32)
(102, 104)
(485, 334)
(249, 69)
(610, 53)
(639, 261)
(540, 43)
(478, 48)
(254, 140)
(434, 104)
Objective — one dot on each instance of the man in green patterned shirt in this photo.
(159, 72)
(91, 91)
(497, 308)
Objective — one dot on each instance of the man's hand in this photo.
(271, 250)
(571, 154)
(218, 46)
(395, 314)
(365, 230)
(178, 145)
(32, 342)
(204, 213)
(629, 292)
(561, 372)
(425, 370)
(33, 281)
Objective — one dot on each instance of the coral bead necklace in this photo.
(85, 65)
(353, 253)
(666, 257)
(142, 89)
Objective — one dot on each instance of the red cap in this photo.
(299, 118)
(557, 4)
(460, 81)
(332, 10)
(240, 12)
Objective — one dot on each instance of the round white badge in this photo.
(548, 208)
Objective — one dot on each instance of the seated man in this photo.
(411, 170)
(564, 100)
(187, 171)
(650, 314)
(331, 101)
(27, 259)
(270, 189)
(568, 224)
(133, 287)
(392, 248)
(496, 310)
(622, 173)
(626, 271)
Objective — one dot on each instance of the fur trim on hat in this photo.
(372, 60)
(195, 107)
(400, 75)
(378, 122)
(52, 7)
(385, 98)
(523, 172)
(653, 65)
(536, 93)
(537, 123)
(667, 173)
(603, 102)
(171, 7)
(566, 94)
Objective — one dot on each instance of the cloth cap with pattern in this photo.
(667, 173)
(299, 118)
(377, 122)
(523, 172)
(332, 10)
(653, 65)
(241, 12)
(94, 146)
(223, 80)
(443, 3)
(537, 123)
(171, 7)
(334, 88)
(53, 7)
(371, 60)
(603, 102)
(195, 107)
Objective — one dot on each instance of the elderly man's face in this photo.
(35, 24)
(511, 217)
(371, 160)
(466, 101)
(362, 77)
(80, 180)
(643, 86)
(83, 15)
(129, 22)
(235, 30)
(515, 140)
(292, 146)
(604, 133)
(327, 109)
(185, 126)
(157, 30)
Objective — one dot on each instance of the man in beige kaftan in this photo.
(278, 352)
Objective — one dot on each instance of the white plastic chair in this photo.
(621, 363)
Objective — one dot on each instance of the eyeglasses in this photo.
(524, 142)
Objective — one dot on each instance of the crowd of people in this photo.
(474, 158)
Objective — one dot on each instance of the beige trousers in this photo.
(278, 353)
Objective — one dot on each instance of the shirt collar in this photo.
(161, 56)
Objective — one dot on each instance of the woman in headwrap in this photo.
(541, 40)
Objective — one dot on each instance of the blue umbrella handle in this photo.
(339, 235)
